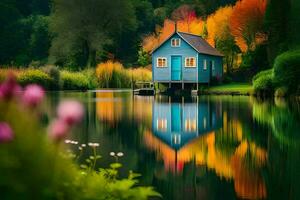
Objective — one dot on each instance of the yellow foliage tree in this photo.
(218, 25)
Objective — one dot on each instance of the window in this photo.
(162, 125)
(190, 125)
(205, 64)
(190, 62)
(213, 65)
(175, 42)
(161, 62)
(176, 139)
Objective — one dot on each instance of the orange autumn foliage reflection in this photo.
(204, 151)
(111, 108)
(248, 183)
(108, 109)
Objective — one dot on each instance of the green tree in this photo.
(87, 26)
(276, 26)
(143, 58)
(40, 40)
(10, 34)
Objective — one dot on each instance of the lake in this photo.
(207, 147)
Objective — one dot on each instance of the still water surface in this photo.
(209, 147)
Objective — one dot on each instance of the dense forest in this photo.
(77, 34)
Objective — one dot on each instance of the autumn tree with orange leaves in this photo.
(246, 23)
(219, 36)
(218, 25)
(186, 20)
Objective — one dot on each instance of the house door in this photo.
(176, 68)
(176, 118)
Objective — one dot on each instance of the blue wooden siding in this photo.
(204, 75)
(188, 74)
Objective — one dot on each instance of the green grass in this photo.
(232, 87)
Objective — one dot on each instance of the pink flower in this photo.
(9, 88)
(33, 95)
(58, 130)
(6, 133)
(70, 112)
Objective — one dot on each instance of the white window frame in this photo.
(187, 61)
(204, 64)
(164, 124)
(176, 39)
(176, 139)
(166, 63)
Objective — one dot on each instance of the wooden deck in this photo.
(148, 89)
(144, 88)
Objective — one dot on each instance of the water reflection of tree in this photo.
(282, 118)
(253, 155)
(228, 152)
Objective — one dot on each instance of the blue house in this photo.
(186, 58)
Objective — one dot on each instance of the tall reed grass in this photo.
(113, 75)
(107, 75)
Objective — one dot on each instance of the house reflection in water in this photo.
(176, 123)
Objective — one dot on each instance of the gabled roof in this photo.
(195, 41)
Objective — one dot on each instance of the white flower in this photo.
(80, 148)
(112, 154)
(83, 145)
(120, 154)
(67, 141)
(93, 144)
(96, 144)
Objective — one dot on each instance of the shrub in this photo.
(263, 81)
(287, 70)
(256, 60)
(35, 76)
(143, 58)
(227, 79)
(54, 73)
(74, 81)
(92, 79)
(4, 72)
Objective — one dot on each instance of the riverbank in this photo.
(106, 75)
(229, 89)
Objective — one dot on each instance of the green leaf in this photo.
(115, 165)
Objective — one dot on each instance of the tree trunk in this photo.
(91, 59)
